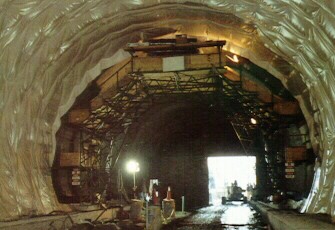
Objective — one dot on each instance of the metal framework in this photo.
(104, 132)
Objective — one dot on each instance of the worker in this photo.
(144, 191)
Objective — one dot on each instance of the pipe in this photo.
(183, 204)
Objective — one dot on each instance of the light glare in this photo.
(223, 171)
(253, 121)
(234, 58)
(133, 167)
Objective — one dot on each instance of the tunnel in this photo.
(72, 83)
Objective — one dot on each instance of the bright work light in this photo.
(234, 58)
(253, 121)
(133, 167)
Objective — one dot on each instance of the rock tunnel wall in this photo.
(51, 50)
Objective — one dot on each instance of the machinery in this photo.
(234, 194)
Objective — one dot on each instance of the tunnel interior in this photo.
(171, 121)
(56, 62)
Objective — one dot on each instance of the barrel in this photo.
(135, 209)
(169, 207)
(154, 217)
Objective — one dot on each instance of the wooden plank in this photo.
(148, 64)
(249, 85)
(69, 159)
(298, 153)
(155, 64)
(177, 46)
(287, 107)
(96, 103)
(232, 76)
(78, 115)
(264, 95)
(201, 61)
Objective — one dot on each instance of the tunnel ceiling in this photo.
(51, 50)
(165, 127)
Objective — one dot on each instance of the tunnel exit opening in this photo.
(223, 172)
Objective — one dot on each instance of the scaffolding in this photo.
(105, 130)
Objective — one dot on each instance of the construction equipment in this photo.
(234, 194)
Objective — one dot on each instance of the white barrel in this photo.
(154, 217)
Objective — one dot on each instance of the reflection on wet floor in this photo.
(235, 215)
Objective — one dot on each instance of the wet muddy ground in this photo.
(235, 215)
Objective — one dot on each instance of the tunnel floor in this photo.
(235, 215)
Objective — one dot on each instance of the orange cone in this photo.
(155, 198)
(168, 194)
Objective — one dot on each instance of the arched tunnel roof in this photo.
(51, 50)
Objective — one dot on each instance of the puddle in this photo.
(235, 215)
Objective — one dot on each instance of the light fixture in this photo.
(253, 121)
(234, 58)
(133, 167)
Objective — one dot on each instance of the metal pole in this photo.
(146, 215)
(182, 204)
(219, 51)
(134, 188)
(132, 62)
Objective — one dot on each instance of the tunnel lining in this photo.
(50, 204)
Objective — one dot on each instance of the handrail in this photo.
(116, 72)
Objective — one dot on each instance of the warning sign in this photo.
(289, 164)
(76, 177)
(289, 170)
